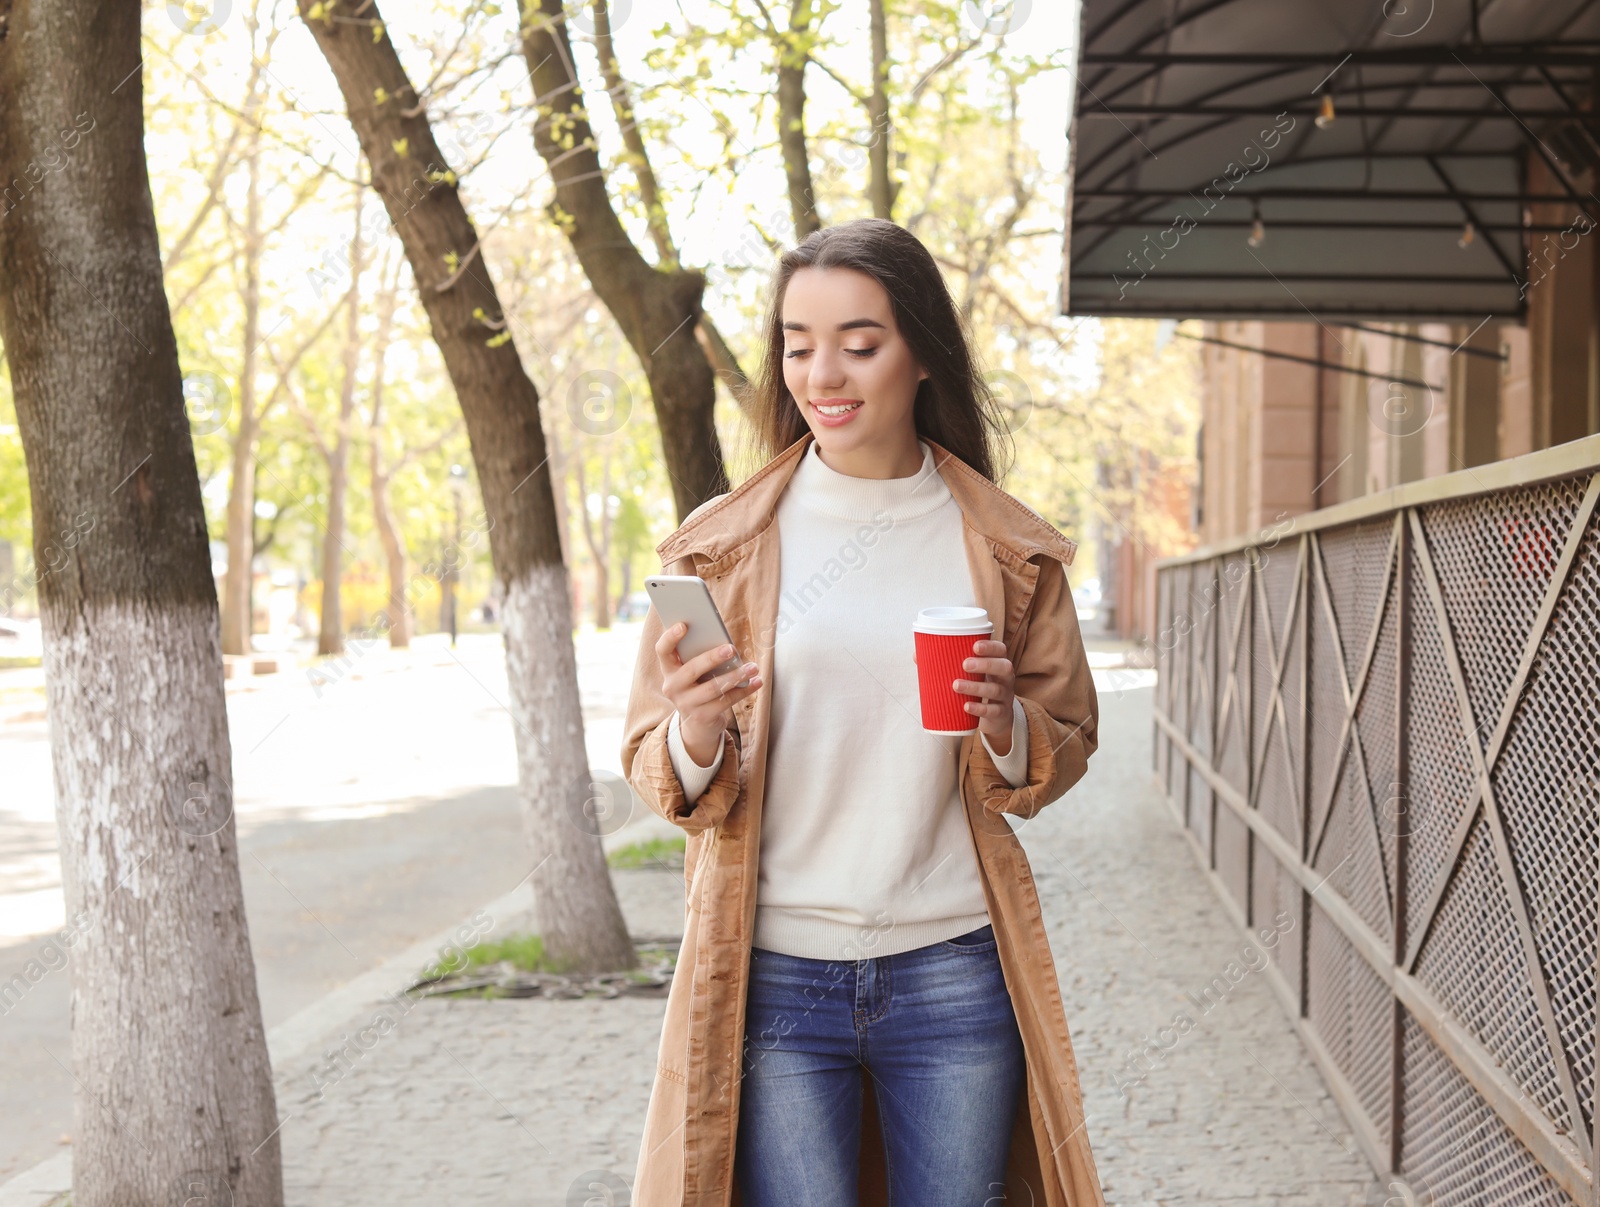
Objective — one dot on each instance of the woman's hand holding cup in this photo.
(996, 688)
(704, 709)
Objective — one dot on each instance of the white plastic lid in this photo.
(953, 620)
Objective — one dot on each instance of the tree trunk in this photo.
(638, 156)
(398, 613)
(657, 309)
(720, 356)
(602, 549)
(236, 603)
(580, 920)
(330, 626)
(792, 59)
(448, 552)
(330, 638)
(880, 189)
(558, 472)
(597, 535)
(174, 1096)
(726, 367)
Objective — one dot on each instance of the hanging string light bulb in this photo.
(1468, 234)
(1258, 228)
(1325, 113)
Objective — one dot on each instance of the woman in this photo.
(865, 1008)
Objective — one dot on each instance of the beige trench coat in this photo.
(1017, 561)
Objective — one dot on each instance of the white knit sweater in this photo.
(865, 848)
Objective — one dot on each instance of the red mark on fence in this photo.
(1532, 547)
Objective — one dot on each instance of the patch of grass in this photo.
(521, 951)
(655, 851)
(526, 954)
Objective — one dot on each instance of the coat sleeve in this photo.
(1056, 690)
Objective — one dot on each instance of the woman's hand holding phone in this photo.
(704, 709)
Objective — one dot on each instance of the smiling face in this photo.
(843, 351)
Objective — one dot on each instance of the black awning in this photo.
(1203, 184)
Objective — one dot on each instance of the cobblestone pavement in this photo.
(542, 1103)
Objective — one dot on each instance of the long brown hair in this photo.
(954, 406)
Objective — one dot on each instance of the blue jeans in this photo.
(934, 1029)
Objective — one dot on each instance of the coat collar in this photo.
(728, 523)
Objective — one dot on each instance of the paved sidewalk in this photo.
(541, 1103)
(1233, 1112)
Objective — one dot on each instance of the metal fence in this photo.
(1384, 718)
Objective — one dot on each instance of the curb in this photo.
(40, 1186)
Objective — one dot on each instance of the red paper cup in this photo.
(945, 637)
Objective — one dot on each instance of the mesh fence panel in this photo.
(1164, 641)
(1369, 773)
(1355, 564)
(1454, 1149)
(1292, 748)
(1183, 659)
(1278, 795)
(1199, 806)
(1495, 562)
(1547, 785)
(1233, 673)
(1275, 899)
(1203, 604)
(1380, 745)
(1177, 773)
(1442, 773)
(1325, 720)
(1473, 960)
(1501, 896)
(1351, 856)
(1233, 856)
(1349, 1007)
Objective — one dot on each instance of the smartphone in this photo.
(685, 597)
